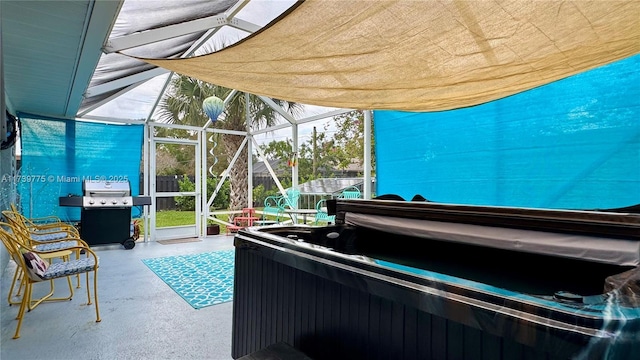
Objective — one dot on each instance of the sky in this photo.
(137, 103)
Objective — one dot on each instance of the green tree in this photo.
(277, 150)
(349, 139)
(327, 152)
(183, 105)
(323, 153)
(176, 159)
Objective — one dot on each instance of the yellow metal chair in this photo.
(51, 250)
(36, 270)
(46, 228)
(55, 237)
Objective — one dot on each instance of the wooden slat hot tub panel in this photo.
(327, 320)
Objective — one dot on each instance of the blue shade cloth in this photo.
(572, 144)
(200, 279)
(57, 155)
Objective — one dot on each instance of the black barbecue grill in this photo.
(105, 217)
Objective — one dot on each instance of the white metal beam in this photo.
(243, 25)
(249, 151)
(212, 23)
(324, 115)
(105, 119)
(269, 168)
(171, 31)
(279, 109)
(176, 141)
(202, 209)
(225, 174)
(199, 153)
(152, 180)
(366, 186)
(303, 120)
(146, 185)
(294, 167)
(100, 19)
(164, 33)
(121, 83)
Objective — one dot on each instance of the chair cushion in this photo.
(66, 268)
(36, 267)
(56, 245)
(49, 236)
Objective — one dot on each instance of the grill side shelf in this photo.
(74, 201)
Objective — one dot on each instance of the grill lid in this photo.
(106, 194)
(106, 188)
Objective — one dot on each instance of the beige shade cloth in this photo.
(420, 55)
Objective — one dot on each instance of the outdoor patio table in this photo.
(303, 212)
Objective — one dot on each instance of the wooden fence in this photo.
(165, 184)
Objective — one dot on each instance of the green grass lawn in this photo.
(168, 218)
(172, 218)
(175, 218)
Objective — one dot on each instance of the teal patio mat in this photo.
(201, 279)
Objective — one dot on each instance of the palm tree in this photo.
(183, 105)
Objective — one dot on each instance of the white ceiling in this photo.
(50, 50)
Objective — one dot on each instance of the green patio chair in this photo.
(293, 195)
(276, 205)
(273, 208)
(351, 192)
(322, 215)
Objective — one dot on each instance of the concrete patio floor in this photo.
(142, 317)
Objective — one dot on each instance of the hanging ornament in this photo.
(212, 151)
(292, 161)
(214, 144)
(213, 107)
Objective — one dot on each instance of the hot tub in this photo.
(418, 280)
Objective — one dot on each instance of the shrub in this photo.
(187, 203)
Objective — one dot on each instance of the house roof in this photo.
(328, 186)
(259, 168)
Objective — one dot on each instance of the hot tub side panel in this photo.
(283, 298)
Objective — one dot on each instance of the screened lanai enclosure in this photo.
(114, 133)
(524, 116)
